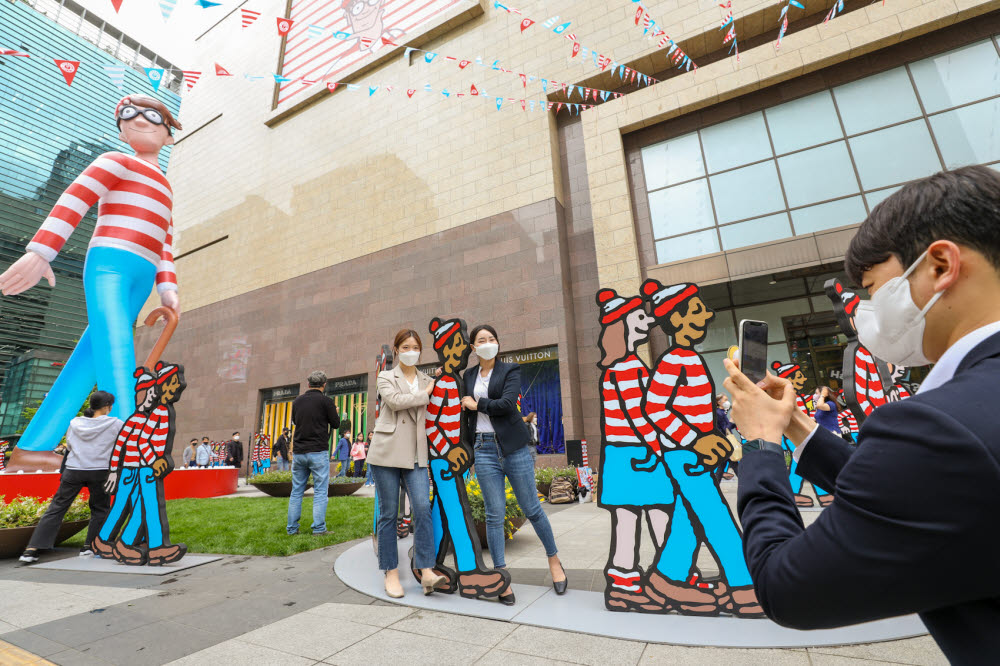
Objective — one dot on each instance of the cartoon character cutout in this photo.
(804, 402)
(865, 377)
(679, 404)
(136, 531)
(366, 18)
(628, 493)
(450, 458)
(4, 445)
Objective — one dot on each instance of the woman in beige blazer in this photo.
(398, 454)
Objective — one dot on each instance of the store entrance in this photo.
(816, 344)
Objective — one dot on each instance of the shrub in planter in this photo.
(275, 484)
(513, 517)
(19, 517)
(544, 476)
(345, 485)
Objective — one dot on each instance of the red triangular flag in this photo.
(576, 49)
(68, 69)
(463, 64)
(117, 4)
(284, 25)
(366, 42)
(221, 71)
(388, 42)
(522, 105)
(332, 86)
(249, 16)
(410, 91)
(526, 23)
(474, 91)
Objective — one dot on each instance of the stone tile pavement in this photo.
(294, 610)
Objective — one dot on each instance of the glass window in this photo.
(875, 198)
(829, 215)
(761, 230)
(803, 122)
(681, 208)
(818, 174)
(958, 77)
(736, 142)
(821, 304)
(721, 332)
(876, 101)
(969, 135)
(685, 247)
(772, 314)
(672, 161)
(895, 155)
(747, 192)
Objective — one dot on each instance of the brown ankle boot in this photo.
(166, 554)
(103, 548)
(472, 584)
(128, 555)
(685, 599)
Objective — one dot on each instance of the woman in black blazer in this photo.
(491, 411)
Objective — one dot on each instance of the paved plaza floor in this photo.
(294, 610)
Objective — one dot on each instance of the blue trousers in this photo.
(448, 517)
(137, 492)
(116, 284)
(387, 482)
(700, 514)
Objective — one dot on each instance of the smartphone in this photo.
(753, 349)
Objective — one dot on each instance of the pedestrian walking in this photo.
(358, 455)
(342, 454)
(314, 416)
(191, 452)
(280, 451)
(203, 454)
(89, 441)
(234, 451)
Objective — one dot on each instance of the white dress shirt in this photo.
(482, 390)
(943, 370)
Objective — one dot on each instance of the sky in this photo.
(173, 39)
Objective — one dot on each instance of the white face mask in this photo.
(726, 405)
(409, 357)
(487, 351)
(891, 325)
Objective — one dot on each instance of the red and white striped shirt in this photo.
(444, 417)
(142, 439)
(622, 389)
(801, 404)
(867, 381)
(848, 419)
(134, 213)
(903, 393)
(679, 399)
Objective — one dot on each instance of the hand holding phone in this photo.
(753, 349)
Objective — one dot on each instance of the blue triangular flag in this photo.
(545, 85)
(205, 4)
(155, 76)
(499, 102)
(371, 90)
(167, 8)
(280, 79)
(446, 93)
(429, 56)
(117, 75)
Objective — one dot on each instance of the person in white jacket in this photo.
(89, 441)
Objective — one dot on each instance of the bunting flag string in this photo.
(650, 30)
(249, 16)
(117, 75)
(167, 8)
(190, 77)
(728, 21)
(836, 9)
(784, 19)
(155, 76)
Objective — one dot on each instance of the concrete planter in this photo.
(481, 530)
(13, 540)
(344, 489)
(277, 489)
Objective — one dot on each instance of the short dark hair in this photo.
(483, 327)
(194, 439)
(236, 433)
(204, 436)
(962, 206)
(98, 400)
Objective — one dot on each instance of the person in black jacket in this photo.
(234, 451)
(315, 418)
(491, 414)
(280, 451)
(912, 527)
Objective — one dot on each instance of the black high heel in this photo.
(560, 586)
(507, 599)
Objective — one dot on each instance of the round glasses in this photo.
(128, 112)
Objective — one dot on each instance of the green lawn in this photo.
(256, 525)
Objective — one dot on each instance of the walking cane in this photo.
(171, 318)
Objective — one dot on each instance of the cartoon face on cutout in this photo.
(172, 389)
(845, 305)
(898, 372)
(798, 380)
(680, 309)
(637, 324)
(451, 342)
(365, 17)
(691, 327)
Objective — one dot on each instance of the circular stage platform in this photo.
(584, 612)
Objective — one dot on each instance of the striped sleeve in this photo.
(161, 430)
(142, 442)
(166, 275)
(660, 393)
(436, 438)
(630, 388)
(119, 448)
(95, 181)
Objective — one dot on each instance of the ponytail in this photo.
(98, 400)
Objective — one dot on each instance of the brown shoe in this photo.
(685, 599)
(103, 548)
(624, 601)
(744, 602)
(825, 500)
(128, 555)
(803, 500)
(472, 584)
(166, 554)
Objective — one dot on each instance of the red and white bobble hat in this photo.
(143, 379)
(849, 298)
(443, 330)
(614, 307)
(785, 371)
(666, 299)
(164, 372)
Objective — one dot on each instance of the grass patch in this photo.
(256, 525)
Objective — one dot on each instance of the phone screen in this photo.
(753, 349)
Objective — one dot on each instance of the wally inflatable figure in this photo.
(129, 252)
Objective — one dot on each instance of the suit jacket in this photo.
(234, 453)
(913, 527)
(400, 432)
(500, 405)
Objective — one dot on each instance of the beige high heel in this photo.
(395, 592)
(430, 582)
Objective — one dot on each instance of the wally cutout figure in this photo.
(129, 252)
(140, 460)
(804, 402)
(449, 460)
(865, 377)
(679, 404)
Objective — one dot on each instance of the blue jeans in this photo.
(280, 464)
(137, 491)
(319, 465)
(449, 517)
(368, 477)
(491, 468)
(699, 497)
(344, 464)
(387, 480)
(116, 284)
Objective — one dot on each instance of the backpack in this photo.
(562, 491)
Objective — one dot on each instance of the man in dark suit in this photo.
(913, 527)
(234, 451)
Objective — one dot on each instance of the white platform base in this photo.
(100, 565)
